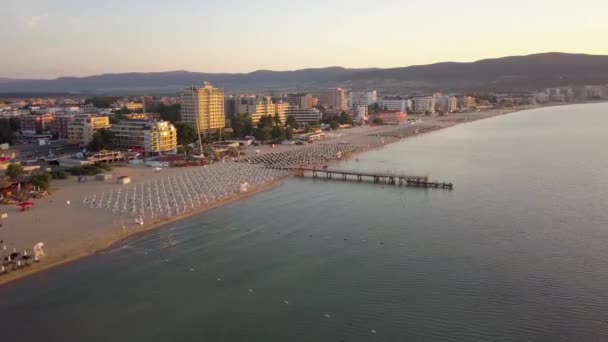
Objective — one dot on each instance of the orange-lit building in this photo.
(389, 116)
(36, 123)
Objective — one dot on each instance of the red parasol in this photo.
(25, 205)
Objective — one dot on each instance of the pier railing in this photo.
(389, 177)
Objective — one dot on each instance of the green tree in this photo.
(289, 133)
(378, 121)
(6, 134)
(117, 117)
(263, 133)
(277, 119)
(219, 134)
(241, 125)
(59, 174)
(101, 140)
(42, 180)
(334, 124)
(101, 101)
(277, 132)
(187, 150)
(14, 170)
(265, 120)
(171, 113)
(345, 119)
(291, 122)
(119, 113)
(5, 182)
(186, 134)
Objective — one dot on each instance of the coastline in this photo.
(110, 241)
(76, 255)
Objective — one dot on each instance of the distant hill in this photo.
(500, 74)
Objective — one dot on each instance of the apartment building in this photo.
(335, 98)
(146, 135)
(310, 116)
(82, 128)
(203, 108)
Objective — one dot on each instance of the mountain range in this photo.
(515, 73)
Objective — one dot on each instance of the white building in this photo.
(447, 104)
(362, 98)
(361, 113)
(423, 104)
(390, 104)
(305, 116)
(335, 98)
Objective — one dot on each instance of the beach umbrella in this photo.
(25, 205)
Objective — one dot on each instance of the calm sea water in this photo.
(517, 252)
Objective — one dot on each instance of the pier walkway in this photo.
(376, 177)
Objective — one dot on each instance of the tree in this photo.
(101, 101)
(265, 120)
(6, 134)
(277, 132)
(171, 113)
(101, 140)
(374, 107)
(14, 170)
(42, 180)
(5, 182)
(263, 133)
(344, 119)
(378, 121)
(289, 133)
(119, 113)
(59, 174)
(184, 149)
(241, 125)
(117, 117)
(291, 122)
(186, 134)
(334, 124)
(277, 119)
(219, 133)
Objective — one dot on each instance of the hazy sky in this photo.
(50, 38)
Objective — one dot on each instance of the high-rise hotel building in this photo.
(203, 108)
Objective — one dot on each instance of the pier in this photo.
(376, 177)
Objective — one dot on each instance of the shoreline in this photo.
(50, 263)
(92, 248)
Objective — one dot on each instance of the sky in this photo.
(53, 38)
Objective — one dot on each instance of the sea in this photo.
(518, 251)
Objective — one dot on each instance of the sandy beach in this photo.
(71, 230)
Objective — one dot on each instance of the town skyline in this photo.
(114, 37)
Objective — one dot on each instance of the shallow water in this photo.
(517, 252)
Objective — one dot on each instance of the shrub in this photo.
(42, 180)
(14, 170)
(59, 174)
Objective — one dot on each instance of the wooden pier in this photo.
(376, 177)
